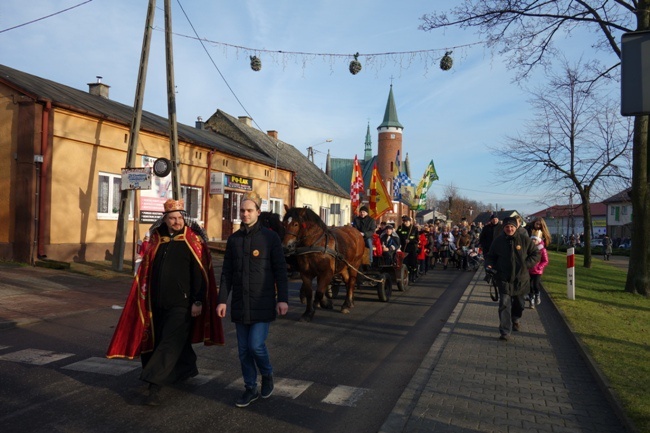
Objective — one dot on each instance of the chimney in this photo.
(246, 120)
(272, 133)
(98, 88)
(199, 124)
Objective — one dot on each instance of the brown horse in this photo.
(322, 253)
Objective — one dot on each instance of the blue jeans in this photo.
(253, 355)
(370, 245)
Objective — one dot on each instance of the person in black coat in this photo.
(490, 231)
(409, 240)
(510, 256)
(253, 269)
(367, 226)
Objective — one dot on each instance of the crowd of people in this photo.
(427, 245)
(514, 255)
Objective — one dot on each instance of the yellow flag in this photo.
(380, 201)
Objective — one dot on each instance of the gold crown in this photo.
(254, 197)
(172, 205)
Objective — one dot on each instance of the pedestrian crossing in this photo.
(340, 395)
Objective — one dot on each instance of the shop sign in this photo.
(136, 178)
(238, 182)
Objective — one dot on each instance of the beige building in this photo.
(62, 151)
(312, 187)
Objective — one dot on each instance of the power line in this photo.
(47, 16)
(215, 65)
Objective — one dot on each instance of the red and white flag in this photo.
(356, 186)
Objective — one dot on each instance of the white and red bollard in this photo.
(570, 274)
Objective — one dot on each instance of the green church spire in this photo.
(367, 154)
(390, 116)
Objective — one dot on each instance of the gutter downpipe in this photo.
(45, 168)
(292, 196)
(207, 190)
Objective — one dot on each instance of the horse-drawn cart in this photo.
(381, 276)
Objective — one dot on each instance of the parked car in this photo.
(596, 243)
(626, 245)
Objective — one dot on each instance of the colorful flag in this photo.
(356, 186)
(425, 183)
(401, 182)
(380, 201)
(396, 168)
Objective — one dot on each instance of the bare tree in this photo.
(576, 138)
(524, 32)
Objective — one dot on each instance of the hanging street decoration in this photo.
(446, 62)
(355, 65)
(256, 63)
(429, 58)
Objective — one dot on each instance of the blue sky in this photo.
(451, 117)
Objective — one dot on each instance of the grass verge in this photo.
(613, 325)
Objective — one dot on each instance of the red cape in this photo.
(134, 333)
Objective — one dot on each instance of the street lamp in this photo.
(310, 149)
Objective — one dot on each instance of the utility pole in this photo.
(125, 195)
(171, 102)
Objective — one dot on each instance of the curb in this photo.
(600, 377)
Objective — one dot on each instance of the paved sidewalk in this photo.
(472, 382)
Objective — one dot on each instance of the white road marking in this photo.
(344, 395)
(4, 347)
(35, 356)
(283, 386)
(112, 367)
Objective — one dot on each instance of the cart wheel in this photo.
(332, 291)
(402, 278)
(385, 288)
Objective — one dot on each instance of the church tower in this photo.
(367, 153)
(389, 141)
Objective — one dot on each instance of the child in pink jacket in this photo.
(537, 270)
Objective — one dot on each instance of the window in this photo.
(108, 196)
(276, 206)
(612, 211)
(624, 210)
(325, 214)
(193, 201)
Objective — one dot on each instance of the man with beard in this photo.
(171, 305)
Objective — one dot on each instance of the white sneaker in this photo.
(538, 299)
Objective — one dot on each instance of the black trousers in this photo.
(172, 358)
(510, 310)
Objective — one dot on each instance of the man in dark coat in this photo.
(253, 269)
(490, 231)
(171, 304)
(390, 244)
(367, 226)
(408, 238)
(511, 255)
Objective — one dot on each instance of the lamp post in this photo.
(310, 149)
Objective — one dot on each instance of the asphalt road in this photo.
(339, 373)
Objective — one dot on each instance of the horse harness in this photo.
(317, 249)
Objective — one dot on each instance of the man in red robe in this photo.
(172, 304)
